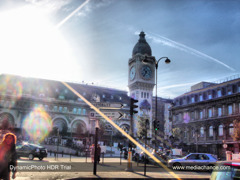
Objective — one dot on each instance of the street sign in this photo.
(108, 105)
(120, 115)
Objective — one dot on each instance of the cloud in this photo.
(94, 5)
(49, 5)
(167, 42)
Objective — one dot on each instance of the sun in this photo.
(32, 46)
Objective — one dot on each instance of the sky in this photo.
(91, 41)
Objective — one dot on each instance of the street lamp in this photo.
(167, 61)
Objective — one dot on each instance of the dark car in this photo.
(31, 151)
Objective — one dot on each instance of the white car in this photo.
(193, 160)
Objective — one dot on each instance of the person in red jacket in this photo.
(8, 156)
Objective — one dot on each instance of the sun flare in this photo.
(32, 46)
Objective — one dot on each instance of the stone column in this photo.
(234, 108)
(224, 110)
(215, 132)
(225, 128)
(205, 133)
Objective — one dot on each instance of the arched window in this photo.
(211, 131)
(220, 130)
(201, 132)
(230, 129)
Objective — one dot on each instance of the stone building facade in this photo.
(205, 117)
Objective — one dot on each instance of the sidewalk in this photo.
(109, 169)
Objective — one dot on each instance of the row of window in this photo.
(208, 113)
(210, 94)
(209, 132)
(82, 111)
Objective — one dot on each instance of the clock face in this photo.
(132, 73)
(146, 72)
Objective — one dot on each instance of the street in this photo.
(77, 168)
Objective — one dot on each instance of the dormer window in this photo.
(61, 97)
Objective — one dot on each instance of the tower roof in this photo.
(142, 46)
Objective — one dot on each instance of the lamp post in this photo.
(167, 61)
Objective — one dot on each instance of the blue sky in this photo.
(46, 39)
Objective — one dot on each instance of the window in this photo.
(61, 97)
(200, 97)
(203, 157)
(84, 111)
(230, 110)
(185, 134)
(219, 111)
(147, 95)
(65, 109)
(211, 131)
(111, 96)
(192, 115)
(219, 93)
(75, 110)
(193, 133)
(193, 156)
(103, 96)
(144, 95)
(231, 129)
(120, 98)
(201, 132)
(141, 94)
(79, 111)
(193, 100)
(238, 88)
(209, 96)
(60, 109)
(55, 108)
(209, 112)
(200, 115)
(220, 130)
(229, 92)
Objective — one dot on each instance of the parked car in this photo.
(31, 151)
(194, 159)
(226, 171)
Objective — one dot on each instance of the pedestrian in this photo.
(98, 153)
(8, 156)
(92, 151)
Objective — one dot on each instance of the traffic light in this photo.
(133, 106)
(156, 125)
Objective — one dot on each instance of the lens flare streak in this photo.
(122, 131)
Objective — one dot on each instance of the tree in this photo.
(176, 135)
(141, 128)
(236, 130)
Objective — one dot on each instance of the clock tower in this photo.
(141, 81)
